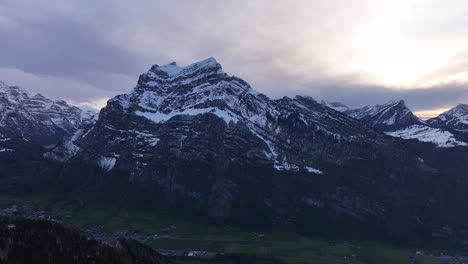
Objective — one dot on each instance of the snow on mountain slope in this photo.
(3, 144)
(397, 120)
(89, 114)
(197, 135)
(181, 106)
(389, 115)
(455, 118)
(428, 134)
(37, 119)
(196, 89)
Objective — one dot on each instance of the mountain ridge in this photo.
(36, 121)
(455, 118)
(393, 114)
(397, 120)
(160, 97)
(197, 140)
(209, 139)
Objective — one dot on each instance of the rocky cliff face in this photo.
(28, 122)
(201, 138)
(37, 119)
(197, 140)
(199, 112)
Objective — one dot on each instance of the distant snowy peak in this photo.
(455, 118)
(340, 107)
(389, 115)
(37, 118)
(397, 120)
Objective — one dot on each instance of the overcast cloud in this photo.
(355, 51)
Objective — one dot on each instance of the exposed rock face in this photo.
(196, 135)
(455, 118)
(36, 119)
(201, 113)
(201, 141)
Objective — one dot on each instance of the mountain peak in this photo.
(393, 103)
(401, 102)
(455, 118)
(389, 115)
(12, 93)
(457, 111)
(36, 118)
(172, 69)
(209, 62)
(11, 89)
(162, 76)
(462, 106)
(3, 85)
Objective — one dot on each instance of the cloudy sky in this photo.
(355, 51)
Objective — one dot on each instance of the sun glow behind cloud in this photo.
(394, 58)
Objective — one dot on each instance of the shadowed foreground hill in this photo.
(33, 241)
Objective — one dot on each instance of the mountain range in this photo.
(397, 120)
(205, 144)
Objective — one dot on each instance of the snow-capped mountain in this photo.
(199, 110)
(38, 120)
(455, 118)
(202, 135)
(397, 120)
(391, 115)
